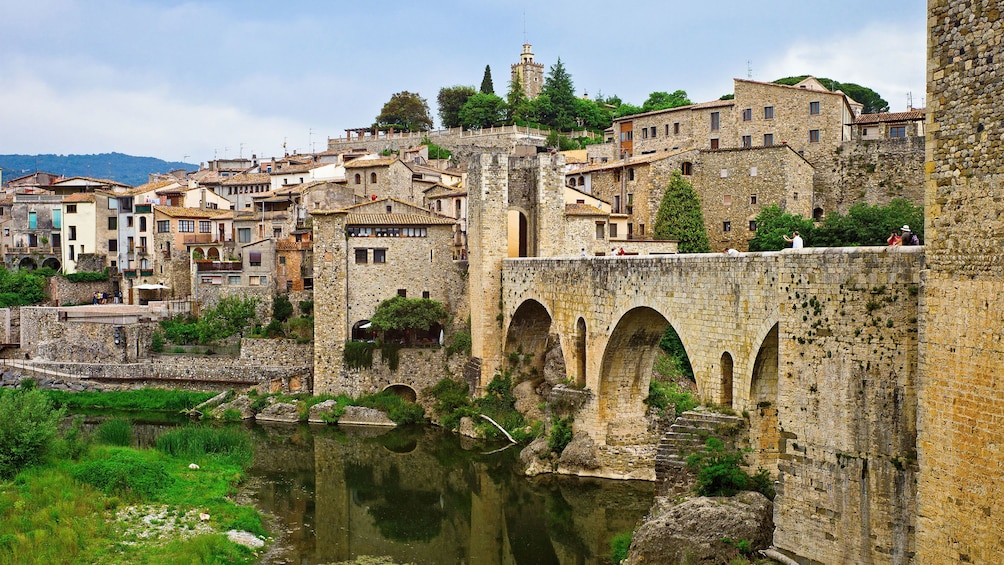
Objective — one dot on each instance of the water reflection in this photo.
(422, 496)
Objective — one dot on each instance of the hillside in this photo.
(127, 169)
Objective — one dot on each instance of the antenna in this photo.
(909, 101)
(524, 25)
(310, 139)
(240, 154)
(749, 69)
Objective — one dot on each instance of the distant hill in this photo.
(126, 169)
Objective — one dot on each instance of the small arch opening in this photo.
(817, 214)
(726, 398)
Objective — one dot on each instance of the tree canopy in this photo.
(403, 314)
(873, 103)
(865, 224)
(560, 108)
(407, 111)
(773, 223)
(482, 111)
(516, 100)
(451, 100)
(487, 87)
(664, 100)
(680, 217)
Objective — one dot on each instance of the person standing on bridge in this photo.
(795, 240)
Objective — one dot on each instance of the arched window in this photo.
(373, 178)
(582, 181)
(817, 214)
(687, 168)
(727, 380)
(359, 178)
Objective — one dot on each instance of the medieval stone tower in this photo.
(961, 359)
(531, 74)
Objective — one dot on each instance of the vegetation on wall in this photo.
(720, 473)
(773, 224)
(21, 288)
(231, 316)
(865, 224)
(680, 218)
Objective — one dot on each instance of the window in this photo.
(644, 133)
(163, 226)
(716, 121)
(631, 173)
(72, 256)
(686, 168)
(627, 135)
(244, 235)
(113, 204)
(714, 143)
(726, 226)
(379, 255)
(186, 226)
(362, 256)
(813, 136)
(73, 234)
(402, 292)
(113, 245)
(897, 131)
(794, 196)
(56, 218)
(71, 208)
(233, 279)
(864, 131)
(254, 258)
(613, 231)
(601, 230)
(359, 178)
(727, 200)
(667, 130)
(205, 226)
(747, 114)
(814, 108)
(653, 131)
(113, 223)
(752, 225)
(389, 209)
(32, 220)
(676, 128)
(768, 112)
(747, 141)
(282, 260)
(752, 171)
(641, 229)
(425, 294)
(142, 242)
(373, 177)
(768, 139)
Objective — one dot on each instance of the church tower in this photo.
(530, 74)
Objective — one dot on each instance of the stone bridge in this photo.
(816, 347)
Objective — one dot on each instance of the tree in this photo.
(405, 110)
(773, 224)
(873, 103)
(486, 82)
(626, 109)
(869, 225)
(560, 113)
(664, 100)
(516, 100)
(28, 424)
(407, 314)
(451, 100)
(679, 217)
(482, 111)
(592, 115)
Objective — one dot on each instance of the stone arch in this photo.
(528, 338)
(726, 366)
(52, 263)
(765, 432)
(213, 254)
(27, 263)
(405, 392)
(627, 370)
(817, 213)
(580, 352)
(362, 331)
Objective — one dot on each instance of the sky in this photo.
(194, 81)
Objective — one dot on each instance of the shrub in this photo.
(358, 354)
(157, 342)
(306, 307)
(461, 343)
(396, 408)
(74, 443)
(85, 276)
(662, 395)
(201, 441)
(274, 329)
(117, 431)
(452, 402)
(28, 424)
(282, 308)
(619, 546)
(302, 328)
(561, 434)
(719, 472)
(125, 472)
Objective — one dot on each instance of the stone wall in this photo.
(501, 138)
(873, 172)
(330, 289)
(45, 336)
(960, 494)
(276, 353)
(62, 292)
(209, 296)
(418, 369)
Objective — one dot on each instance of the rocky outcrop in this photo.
(361, 416)
(702, 530)
(279, 412)
(536, 458)
(320, 410)
(579, 454)
(241, 404)
(528, 401)
(554, 364)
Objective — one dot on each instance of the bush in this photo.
(200, 441)
(662, 395)
(302, 328)
(125, 472)
(461, 343)
(117, 431)
(396, 408)
(453, 402)
(74, 442)
(282, 308)
(719, 472)
(28, 425)
(306, 307)
(157, 342)
(85, 276)
(561, 434)
(274, 329)
(619, 546)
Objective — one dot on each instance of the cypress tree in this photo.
(680, 217)
(486, 83)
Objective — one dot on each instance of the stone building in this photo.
(137, 259)
(240, 188)
(89, 232)
(32, 230)
(181, 231)
(530, 73)
(960, 496)
(888, 125)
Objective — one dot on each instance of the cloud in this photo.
(889, 59)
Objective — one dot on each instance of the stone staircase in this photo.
(687, 435)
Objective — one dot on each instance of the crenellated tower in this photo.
(530, 73)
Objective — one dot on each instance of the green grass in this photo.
(147, 399)
(117, 431)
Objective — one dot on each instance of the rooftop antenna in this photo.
(524, 25)
(909, 101)
(240, 153)
(310, 139)
(749, 69)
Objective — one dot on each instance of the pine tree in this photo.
(516, 100)
(486, 83)
(559, 89)
(680, 217)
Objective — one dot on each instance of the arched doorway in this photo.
(27, 263)
(362, 331)
(404, 391)
(52, 263)
(726, 396)
(518, 234)
(213, 254)
(765, 433)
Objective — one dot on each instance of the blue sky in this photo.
(198, 80)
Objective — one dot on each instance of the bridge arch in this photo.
(27, 263)
(52, 263)
(765, 431)
(727, 379)
(404, 391)
(528, 338)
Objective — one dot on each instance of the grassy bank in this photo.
(151, 400)
(85, 500)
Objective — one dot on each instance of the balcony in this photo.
(46, 250)
(129, 273)
(143, 208)
(146, 272)
(202, 238)
(207, 265)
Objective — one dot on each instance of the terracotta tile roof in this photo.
(583, 210)
(79, 197)
(90, 180)
(711, 104)
(298, 168)
(439, 190)
(180, 212)
(248, 178)
(147, 187)
(887, 117)
(397, 220)
(364, 163)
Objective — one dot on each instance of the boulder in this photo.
(279, 412)
(362, 416)
(318, 411)
(695, 531)
(554, 365)
(467, 428)
(580, 453)
(528, 401)
(241, 404)
(211, 403)
(536, 458)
